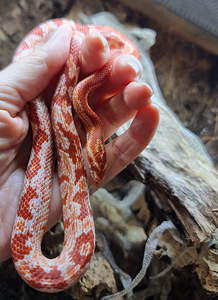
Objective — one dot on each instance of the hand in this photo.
(22, 81)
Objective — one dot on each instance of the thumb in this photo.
(26, 78)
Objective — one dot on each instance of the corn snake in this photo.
(70, 96)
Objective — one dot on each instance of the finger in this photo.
(95, 53)
(123, 107)
(12, 130)
(125, 148)
(126, 68)
(25, 79)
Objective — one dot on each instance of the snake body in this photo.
(70, 96)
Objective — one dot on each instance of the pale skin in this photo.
(22, 81)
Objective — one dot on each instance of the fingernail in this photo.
(61, 36)
(149, 88)
(104, 43)
(58, 31)
(62, 33)
(136, 66)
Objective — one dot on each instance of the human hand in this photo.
(23, 80)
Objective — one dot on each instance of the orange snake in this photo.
(53, 275)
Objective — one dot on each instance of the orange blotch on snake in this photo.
(79, 172)
(63, 178)
(24, 210)
(20, 248)
(41, 273)
(67, 223)
(37, 274)
(79, 258)
(38, 31)
(80, 197)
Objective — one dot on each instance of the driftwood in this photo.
(182, 181)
